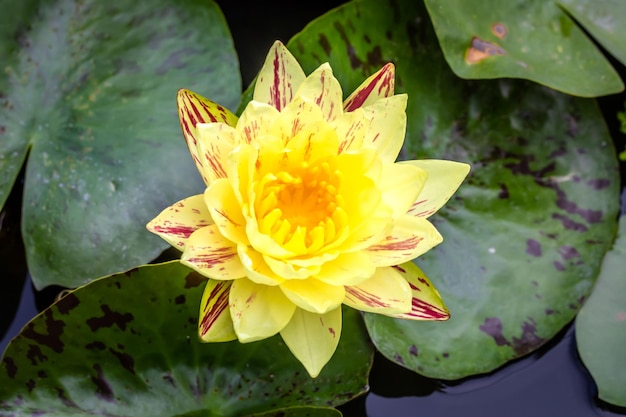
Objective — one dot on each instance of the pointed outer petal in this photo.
(258, 311)
(256, 268)
(350, 268)
(387, 292)
(215, 322)
(212, 255)
(409, 238)
(351, 128)
(287, 270)
(401, 186)
(388, 126)
(313, 295)
(377, 86)
(177, 222)
(313, 338)
(279, 78)
(194, 109)
(322, 88)
(255, 121)
(225, 210)
(426, 303)
(444, 177)
(214, 143)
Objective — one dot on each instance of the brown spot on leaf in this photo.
(125, 359)
(52, 338)
(103, 390)
(504, 191)
(413, 350)
(9, 365)
(35, 355)
(533, 247)
(109, 319)
(180, 299)
(67, 303)
(323, 40)
(499, 30)
(95, 346)
(568, 252)
(493, 327)
(559, 266)
(480, 49)
(569, 223)
(529, 339)
(599, 183)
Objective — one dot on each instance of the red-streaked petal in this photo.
(279, 78)
(323, 89)
(194, 109)
(385, 292)
(377, 86)
(409, 238)
(313, 338)
(426, 303)
(387, 126)
(214, 143)
(177, 222)
(225, 209)
(212, 255)
(444, 177)
(215, 324)
(258, 311)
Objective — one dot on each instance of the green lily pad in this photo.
(601, 325)
(88, 92)
(302, 412)
(604, 20)
(128, 345)
(533, 40)
(525, 235)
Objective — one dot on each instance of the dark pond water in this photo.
(550, 382)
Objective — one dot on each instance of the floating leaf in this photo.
(88, 92)
(128, 345)
(524, 236)
(533, 40)
(601, 325)
(604, 20)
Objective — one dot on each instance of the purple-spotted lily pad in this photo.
(601, 325)
(128, 345)
(88, 98)
(525, 235)
(533, 40)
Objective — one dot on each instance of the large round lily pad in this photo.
(525, 235)
(127, 345)
(88, 93)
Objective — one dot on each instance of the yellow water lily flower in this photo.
(305, 209)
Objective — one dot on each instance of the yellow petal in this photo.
(255, 121)
(400, 185)
(386, 292)
(351, 129)
(409, 238)
(256, 268)
(313, 295)
(444, 177)
(176, 223)
(313, 338)
(323, 89)
(426, 301)
(214, 142)
(279, 78)
(212, 255)
(375, 87)
(258, 311)
(288, 270)
(387, 127)
(226, 211)
(215, 324)
(349, 268)
(194, 109)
